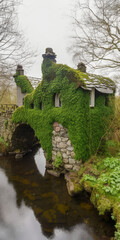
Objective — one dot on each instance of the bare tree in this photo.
(96, 39)
(13, 47)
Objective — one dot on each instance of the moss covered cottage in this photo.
(69, 110)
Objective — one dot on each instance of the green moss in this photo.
(24, 83)
(103, 186)
(3, 145)
(85, 126)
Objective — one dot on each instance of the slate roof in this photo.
(100, 83)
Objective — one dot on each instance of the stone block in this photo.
(64, 155)
(64, 150)
(72, 154)
(57, 129)
(70, 148)
(55, 124)
(54, 133)
(69, 143)
(76, 168)
(69, 153)
(55, 149)
(62, 145)
(65, 160)
(64, 139)
(68, 166)
(54, 153)
(71, 161)
(53, 173)
(58, 139)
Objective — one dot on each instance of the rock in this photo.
(65, 160)
(49, 165)
(70, 149)
(69, 143)
(58, 139)
(69, 177)
(70, 188)
(72, 161)
(54, 133)
(18, 156)
(62, 145)
(76, 168)
(64, 139)
(54, 153)
(53, 173)
(55, 124)
(57, 129)
(64, 155)
(72, 154)
(68, 166)
(63, 150)
(69, 153)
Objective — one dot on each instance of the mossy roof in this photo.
(100, 83)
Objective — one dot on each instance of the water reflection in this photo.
(20, 223)
(40, 161)
(37, 207)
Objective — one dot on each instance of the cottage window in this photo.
(32, 105)
(92, 97)
(57, 101)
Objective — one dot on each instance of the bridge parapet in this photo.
(5, 108)
(6, 111)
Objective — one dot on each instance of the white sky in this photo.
(47, 23)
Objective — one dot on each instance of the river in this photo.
(36, 206)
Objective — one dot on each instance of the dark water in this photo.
(36, 206)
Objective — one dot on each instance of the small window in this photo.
(57, 101)
(41, 106)
(32, 105)
(92, 98)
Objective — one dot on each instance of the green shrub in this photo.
(58, 161)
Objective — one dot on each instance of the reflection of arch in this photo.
(57, 101)
(23, 137)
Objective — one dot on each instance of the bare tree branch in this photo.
(14, 49)
(96, 39)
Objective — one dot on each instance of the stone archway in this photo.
(23, 138)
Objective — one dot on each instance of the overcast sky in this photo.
(47, 23)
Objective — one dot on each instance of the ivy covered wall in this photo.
(85, 125)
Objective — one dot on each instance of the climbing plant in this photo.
(85, 125)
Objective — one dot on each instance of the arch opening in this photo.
(24, 138)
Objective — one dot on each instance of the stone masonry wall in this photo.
(62, 145)
(6, 127)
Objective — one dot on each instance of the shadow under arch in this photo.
(23, 138)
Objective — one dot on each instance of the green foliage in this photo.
(24, 83)
(3, 145)
(58, 161)
(103, 186)
(85, 126)
(6, 123)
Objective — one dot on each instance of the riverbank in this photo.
(101, 178)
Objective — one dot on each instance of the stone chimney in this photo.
(20, 70)
(81, 66)
(49, 54)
